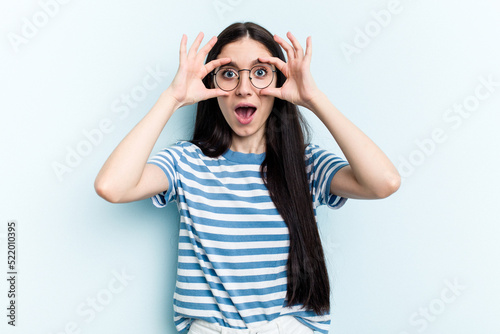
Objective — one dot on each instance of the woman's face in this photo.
(248, 125)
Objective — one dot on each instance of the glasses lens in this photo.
(227, 78)
(261, 76)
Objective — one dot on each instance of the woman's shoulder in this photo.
(317, 153)
(312, 149)
(185, 148)
(183, 145)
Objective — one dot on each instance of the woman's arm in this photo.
(370, 174)
(126, 176)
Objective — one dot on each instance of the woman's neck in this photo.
(248, 145)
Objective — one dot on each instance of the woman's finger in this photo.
(194, 48)
(182, 52)
(206, 48)
(309, 48)
(216, 63)
(299, 52)
(271, 91)
(215, 92)
(280, 64)
(288, 48)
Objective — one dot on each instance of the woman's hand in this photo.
(187, 87)
(299, 87)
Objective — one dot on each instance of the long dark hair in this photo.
(283, 171)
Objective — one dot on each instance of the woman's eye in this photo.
(229, 74)
(260, 72)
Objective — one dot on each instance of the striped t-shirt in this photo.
(233, 243)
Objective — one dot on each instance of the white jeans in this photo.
(282, 325)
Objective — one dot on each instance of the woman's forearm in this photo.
(123, 169)
(372, 169)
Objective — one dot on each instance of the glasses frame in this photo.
(214, 74)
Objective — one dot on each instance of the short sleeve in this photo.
(322, 166)
(166, 159)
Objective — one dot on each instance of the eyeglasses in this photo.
(228, 78)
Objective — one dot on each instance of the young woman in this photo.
(248, 183)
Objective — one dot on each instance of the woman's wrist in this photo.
(316, 101)
(168, 99)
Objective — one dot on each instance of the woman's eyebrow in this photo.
(256, 61)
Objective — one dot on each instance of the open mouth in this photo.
(245, 114)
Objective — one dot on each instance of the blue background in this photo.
(424, 260)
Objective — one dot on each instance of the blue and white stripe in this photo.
(233, 243)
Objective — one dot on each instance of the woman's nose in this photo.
(245, 85)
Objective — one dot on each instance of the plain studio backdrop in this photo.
(420, 78)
